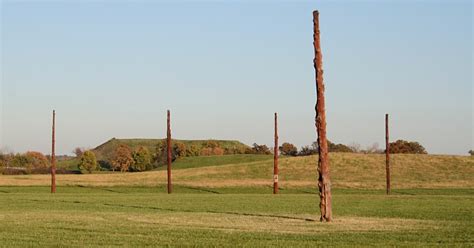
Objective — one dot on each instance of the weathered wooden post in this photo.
(275, 159)
(53, 156)
(387, 154)
(324, 182)
(168, 151)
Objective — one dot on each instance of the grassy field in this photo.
(83, 216)
(365, 171)
(227, 201)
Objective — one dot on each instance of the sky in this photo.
(113, 68)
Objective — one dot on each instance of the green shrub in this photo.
(88, 162)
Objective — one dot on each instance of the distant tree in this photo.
(19, 160)
(355, 147)
(192, 150)
(403, 146)
(5, 159)
(141, 159)
(78, 151)
(338, 147)
(37, 160)
(288, 149)
(218, 151)
(239, 149)
(88, 162)
(179, 149)
(471, 152)
(374, 148)
(159, 156)
(210, 144)
(307, 151)
(206, 151)
(259, 149)
(122, 158)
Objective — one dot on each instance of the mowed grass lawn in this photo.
(127, 216)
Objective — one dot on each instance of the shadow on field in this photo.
(184, 210)
(3, 191)
(209, 211)
(98, 188)
(200, 189)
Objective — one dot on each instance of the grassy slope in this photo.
(206, 161)
(347, 171)
(133, 217)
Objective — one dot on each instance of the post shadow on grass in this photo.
(210, 211)
(99, 188)
(183, 210)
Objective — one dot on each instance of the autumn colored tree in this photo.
(403, 146)
(37, 160)
(211, 147)
(210, 144)
(218, 151)
(288, 149)
(179, 149)
(142, 159)
(88, 162)
(192, 150)
(122, 159)
(206, 151)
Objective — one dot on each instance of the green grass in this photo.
(144, 216)
(69, 164)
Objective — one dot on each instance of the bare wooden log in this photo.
(275, 158)
(168, 151)
(324, 182)
(387, 155)
(53, 156)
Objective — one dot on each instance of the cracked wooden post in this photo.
(168, 151)
(275, 159)
(324, 182)
(387, 154)
(53, 156)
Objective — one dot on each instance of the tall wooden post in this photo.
(275, 159)
(324, 182)
(53, 156)
(168, 151)
(387, 154)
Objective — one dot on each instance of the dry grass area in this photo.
(347, 171)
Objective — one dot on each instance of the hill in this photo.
(105, 150)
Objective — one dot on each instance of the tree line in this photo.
(141, 158)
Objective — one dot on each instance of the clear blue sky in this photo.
(223, 68)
